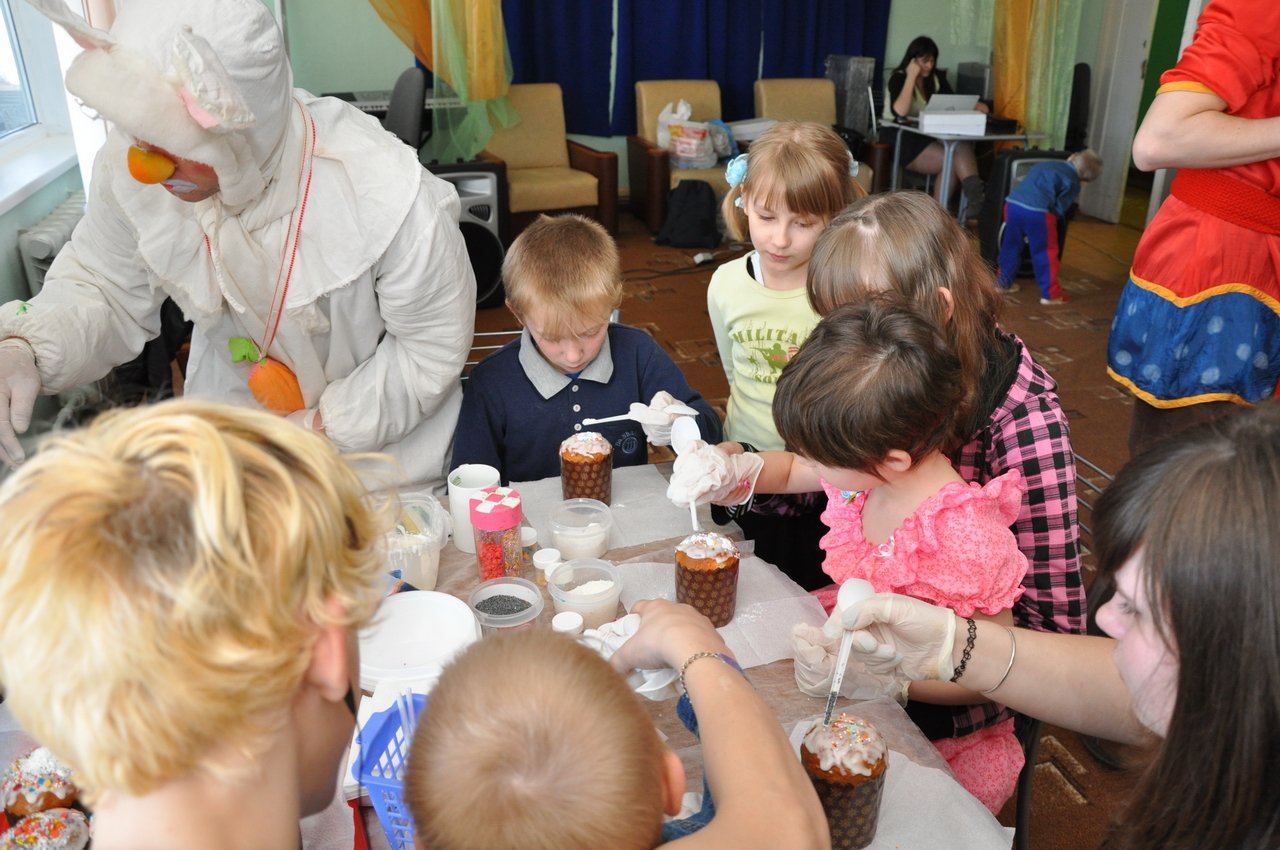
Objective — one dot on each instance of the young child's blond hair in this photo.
(531, 741)
(163, 575)
(801, 163)
(1087, 164)
(568, 266)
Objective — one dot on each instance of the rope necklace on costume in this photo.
(293, 234)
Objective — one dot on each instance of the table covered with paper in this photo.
(923, 805)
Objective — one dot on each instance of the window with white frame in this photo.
(17, 111)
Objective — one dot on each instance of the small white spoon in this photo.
(590, 421)
(683, 433)
(680, 409)
(851, 593)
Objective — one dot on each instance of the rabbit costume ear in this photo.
(211, 96)
(88, 37)
(204, 80)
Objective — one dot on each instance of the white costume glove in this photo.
(656, 416)
(815, 654)
(898, 632)
(19, 386)
(708, 474)
(308, 418)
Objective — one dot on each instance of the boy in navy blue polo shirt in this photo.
(1032, 212)
(563, 281)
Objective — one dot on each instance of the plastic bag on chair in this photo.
(671, 112)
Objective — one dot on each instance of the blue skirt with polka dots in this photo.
(1199, 319)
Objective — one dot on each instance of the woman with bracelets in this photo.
(1187, 535)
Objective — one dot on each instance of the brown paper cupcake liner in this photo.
(853, 810)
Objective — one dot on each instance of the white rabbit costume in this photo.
(319, 209)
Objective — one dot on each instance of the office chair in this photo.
(407, 109)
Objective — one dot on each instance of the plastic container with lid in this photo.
(495, 519)
(413, 549)
(589, 586)
(544, 561)
(567, 622)
(529, 542)
(580, 528)
(506, 603)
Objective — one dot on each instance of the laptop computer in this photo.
(952, 103)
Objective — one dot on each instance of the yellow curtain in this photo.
(465, 46)
(1034, 57)
(1011, 59)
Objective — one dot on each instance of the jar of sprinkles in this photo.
(495, 519)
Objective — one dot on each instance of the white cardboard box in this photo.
(971, 123)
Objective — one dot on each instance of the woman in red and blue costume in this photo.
(1197, 329)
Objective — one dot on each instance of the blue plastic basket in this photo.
(384, 753)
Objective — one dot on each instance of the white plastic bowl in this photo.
(414, 634)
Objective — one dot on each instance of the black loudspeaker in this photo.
(482, 189)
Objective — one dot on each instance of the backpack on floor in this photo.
(691, 217)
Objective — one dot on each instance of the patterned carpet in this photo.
(1074, 796)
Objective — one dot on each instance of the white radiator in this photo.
(40, 243)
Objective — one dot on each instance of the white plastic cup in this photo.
(465, 482)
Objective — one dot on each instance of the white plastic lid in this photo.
(528, 536)
(545, 559)
(567, 622)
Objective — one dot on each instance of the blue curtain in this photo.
(676, 40)
(800, 34)
(570, 41)
(567, 42)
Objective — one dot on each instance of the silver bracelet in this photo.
(1012, 655)
(727, 659)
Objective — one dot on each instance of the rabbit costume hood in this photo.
(205, 81)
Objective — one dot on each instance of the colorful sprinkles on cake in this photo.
(850, 743)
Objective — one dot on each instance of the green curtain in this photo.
(465, 46)
(971, 23)
(1035, 57)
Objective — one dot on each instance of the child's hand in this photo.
(656, 416)
(709, 474)
(669, 633)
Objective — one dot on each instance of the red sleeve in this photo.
(1233, 53)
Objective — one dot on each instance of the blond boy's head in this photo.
(1087, 164)
(564, 268)
(164, 575)
(531, 741)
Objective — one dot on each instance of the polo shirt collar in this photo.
(548, 380)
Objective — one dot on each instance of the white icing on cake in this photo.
(34, 774)
(586, 443)
(708, 544)
(849, 743)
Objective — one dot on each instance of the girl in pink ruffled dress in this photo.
(868, 408)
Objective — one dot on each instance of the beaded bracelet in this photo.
(727, 659)
(968, 649)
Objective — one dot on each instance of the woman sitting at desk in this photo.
(911, 84)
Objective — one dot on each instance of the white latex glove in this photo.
(19, 386)
(815, 655)
(308, 418)
(656, 416)
(898, 632)
(709, 474)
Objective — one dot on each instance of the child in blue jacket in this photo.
(1032, 212)
(563, 281)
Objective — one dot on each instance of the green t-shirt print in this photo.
(765, 349)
